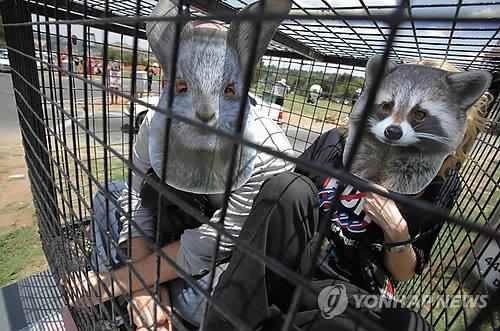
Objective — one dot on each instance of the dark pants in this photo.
(282, 223)
(150, 83)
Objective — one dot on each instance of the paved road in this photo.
(8, 114)
(299, 138)
(94, 92)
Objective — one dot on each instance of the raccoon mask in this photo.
(417, 120)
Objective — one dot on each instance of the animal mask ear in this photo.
(241, 33)
(161, 34)
(469, 86)
(372, 67)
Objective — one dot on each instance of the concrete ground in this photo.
(34, 304)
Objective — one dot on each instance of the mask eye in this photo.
(419, 115)
(230, 91)
(385, 108)
(181, 86)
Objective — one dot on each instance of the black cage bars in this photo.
(77, 143)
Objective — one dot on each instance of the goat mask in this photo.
(209, 62)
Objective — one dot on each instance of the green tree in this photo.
(120, 54)
(333, 84)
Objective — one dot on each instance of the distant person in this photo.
(279, 91)
(62, 60)
(356, 95)
(99, 67)
(151, 74)
(314, 94)
(115, 81)
(77, 64)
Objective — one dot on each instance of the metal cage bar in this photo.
(77, 144)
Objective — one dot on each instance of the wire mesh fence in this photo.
(85, 79)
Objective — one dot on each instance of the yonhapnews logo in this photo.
(333, 301)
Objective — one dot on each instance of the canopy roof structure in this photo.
(464, 33)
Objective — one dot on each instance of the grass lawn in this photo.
(117, 171)
(21, 254)
(297, 104)
(324, 110)
(475, 203)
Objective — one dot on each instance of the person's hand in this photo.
(83, 291)
(145, 306)
(384, 212)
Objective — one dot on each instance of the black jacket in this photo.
(355, 231)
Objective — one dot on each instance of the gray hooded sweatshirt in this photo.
(197, 245)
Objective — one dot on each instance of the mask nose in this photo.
(205, 114)
(393, 132)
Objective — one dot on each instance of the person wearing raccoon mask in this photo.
(374, 243)
(209, 82)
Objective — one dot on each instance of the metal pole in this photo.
(26, 85)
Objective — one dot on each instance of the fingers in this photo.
(140, 316)
(143, 318)
(83, 289)
(147, 321)
(372, 195)
(158, 328)
(375, 195)
(134, 316)
(164, 315)
(143, 314)
(138, 321)
(374, 200)
(76, 288)
(167, 327)
(370, 201)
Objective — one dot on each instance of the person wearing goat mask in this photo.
(210, 69)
